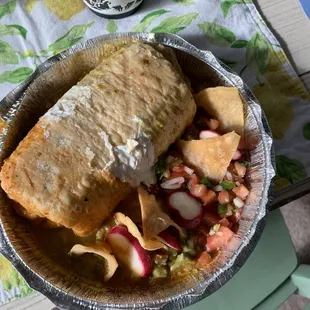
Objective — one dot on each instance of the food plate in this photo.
(21, 109)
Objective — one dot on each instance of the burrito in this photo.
(100, 140)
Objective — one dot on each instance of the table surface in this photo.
(291, 26)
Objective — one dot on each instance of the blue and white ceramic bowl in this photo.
(113, 8)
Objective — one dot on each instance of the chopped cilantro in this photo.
(222, 209)
(206, 182)
(234, 209)
(160, 165)
(244, 163)
(227, 185)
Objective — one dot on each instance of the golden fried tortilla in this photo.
(99, 140)
(150, 245)
(210, 157)
(102, 250)
(225, 105)
(154, 218)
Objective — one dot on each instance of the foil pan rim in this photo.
(66, 300)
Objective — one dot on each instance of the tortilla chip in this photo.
(102, 250)
(225, 105)
(210, 157)
(131, 207)
(150, 245)
(154, 218)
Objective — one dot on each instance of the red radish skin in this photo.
(213, 123)
(170, 240)
(129, 252)
(186, 209)
(223, 197)
(198, 190)
(219, 239)
(241, 191)
(206, 134)
(237, 155)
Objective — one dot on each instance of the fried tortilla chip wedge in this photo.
(150, 245)
(210, 157)
(225, 105)
(102, 250)
(154, 218)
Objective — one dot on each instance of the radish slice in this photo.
(129, 252)
(173, 183)
(206, 134)
(187, 209)
(169, 240)
(237, 155)
(189, 171)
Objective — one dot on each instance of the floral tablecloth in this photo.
(33, 30)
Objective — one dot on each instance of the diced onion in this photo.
(173, 183)
(238, 202)
(218, 188)
(188, 170)
(237, 183)
(170, 159)
(229, 176)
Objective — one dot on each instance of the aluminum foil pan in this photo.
(21, 109)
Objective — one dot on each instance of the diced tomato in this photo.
(241, 170)
(211, 219)
(204, 259)
(241, 191)
(198, 190)
(178, 168)
(193, 180)
(224, 222)
(223, 197)
(209, 198)
(174, 175)
(219, 239)
(213, 123)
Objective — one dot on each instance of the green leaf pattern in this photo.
(217, 34)
(7, 8)
(74, 35)
(15, 76)
(175, 24)
(13, 30)
(7, 54)
(147, 20)
(290, 169)
(184, 2)
(111, 26)
(258, 53)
